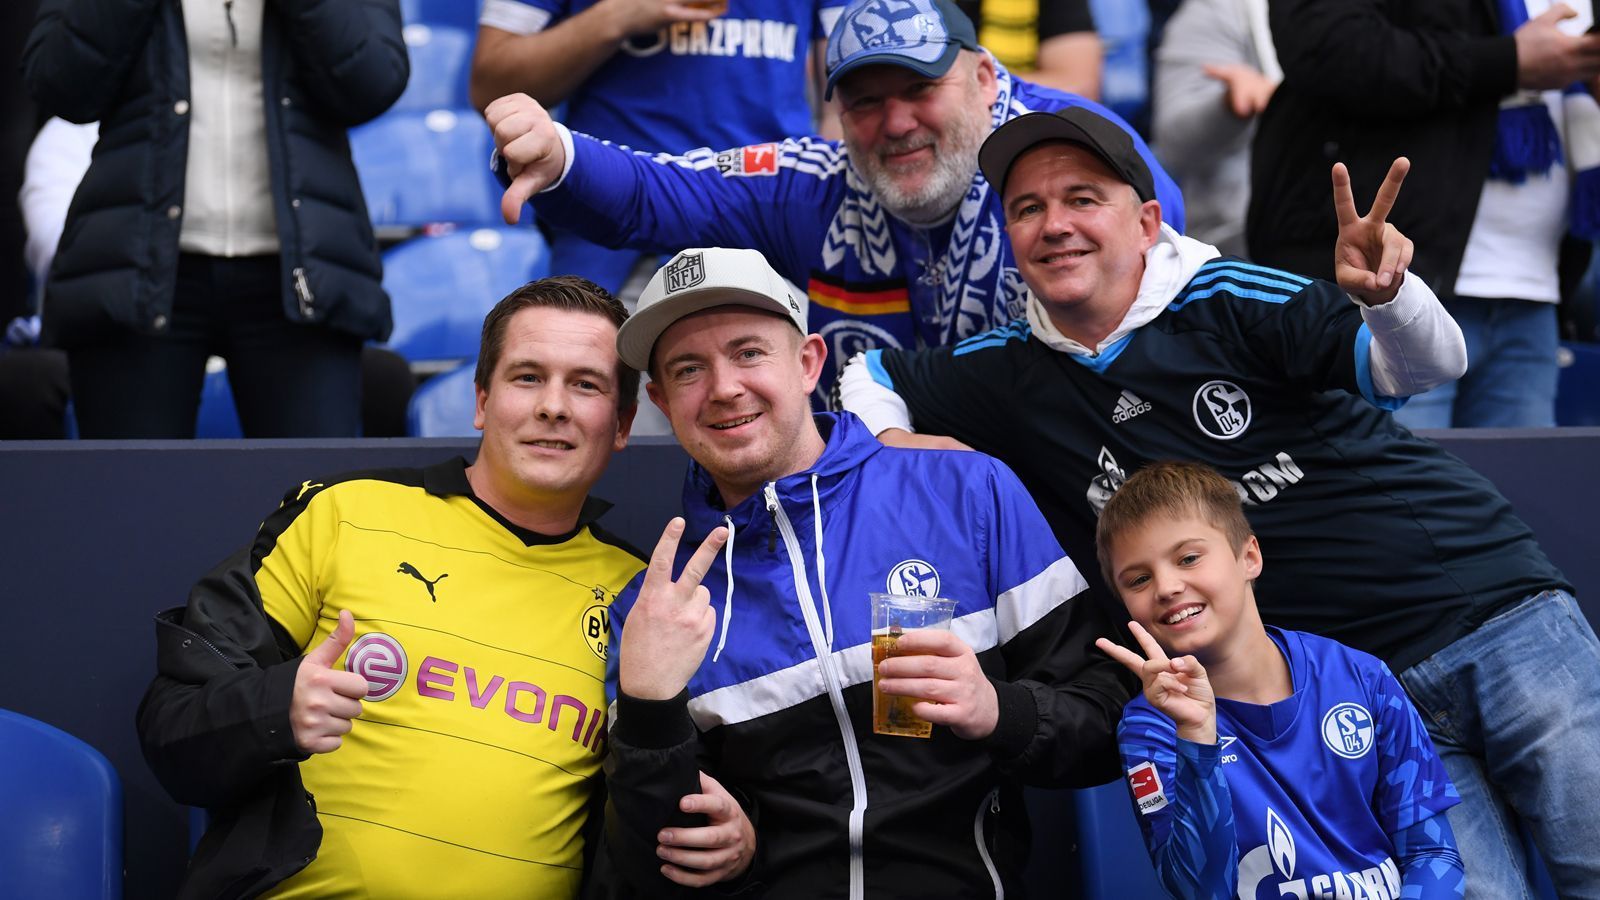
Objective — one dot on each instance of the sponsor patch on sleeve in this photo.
(1147, 792)
(757, 159)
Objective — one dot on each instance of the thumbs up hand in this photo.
(326, 699)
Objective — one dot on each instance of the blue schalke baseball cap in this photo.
(922, 35)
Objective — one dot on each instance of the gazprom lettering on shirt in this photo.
(749, 38)
(735, 80)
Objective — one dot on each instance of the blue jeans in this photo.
(1514, 716)
(1511, 369)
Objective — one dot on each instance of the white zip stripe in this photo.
(852, 753)
(1014, 611)
(1035, 598)
(990, 803)
(793, 685)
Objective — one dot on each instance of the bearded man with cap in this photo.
(895, 234)
(1140, 345)
(744, 649)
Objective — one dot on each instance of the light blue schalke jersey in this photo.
(738, 79)
(1319, 782)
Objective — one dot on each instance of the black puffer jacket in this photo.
(326, 66)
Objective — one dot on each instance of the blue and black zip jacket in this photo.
(780, 710)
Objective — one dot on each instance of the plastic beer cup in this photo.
(892, 616)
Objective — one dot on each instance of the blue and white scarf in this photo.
(1527, 141)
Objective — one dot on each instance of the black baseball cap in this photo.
(1080, 125)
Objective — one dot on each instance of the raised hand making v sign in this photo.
(665, 639)
(1371, 256)
(1177, 687)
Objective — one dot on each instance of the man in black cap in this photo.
(1139, 345)
(893, 237)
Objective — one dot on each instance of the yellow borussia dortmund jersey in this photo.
(480, 740)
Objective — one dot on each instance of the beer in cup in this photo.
(892, 616)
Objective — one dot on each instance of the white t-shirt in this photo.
(1516, 235)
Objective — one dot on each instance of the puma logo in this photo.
(408, 569)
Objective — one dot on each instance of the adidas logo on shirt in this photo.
(1128, 406)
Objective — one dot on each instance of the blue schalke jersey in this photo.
(738, 79)
(1319, 782)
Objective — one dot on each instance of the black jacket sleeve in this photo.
(349, 55)
(214, 724)
(78, 56)
(1059, 713)
(654, 761)
(1365, 60)
(1061, 698)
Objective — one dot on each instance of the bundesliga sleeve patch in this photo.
(1146, 785)
(758, 159)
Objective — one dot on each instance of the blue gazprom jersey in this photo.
(1319, 782)
(738, 79)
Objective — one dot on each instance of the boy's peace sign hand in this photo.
(1177, 687)
(665, 637)
(1371, 256)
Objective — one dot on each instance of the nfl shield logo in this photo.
(686, 271)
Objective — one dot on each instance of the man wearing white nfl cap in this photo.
(755, 663)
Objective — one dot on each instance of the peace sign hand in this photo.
(1371, 256)
(666, 633)
(1177, 687)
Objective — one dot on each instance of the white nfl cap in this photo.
(701, 278)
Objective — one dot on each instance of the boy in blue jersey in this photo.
(1263, 762)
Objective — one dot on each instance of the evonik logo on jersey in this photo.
(1267, 872)
(382, 660)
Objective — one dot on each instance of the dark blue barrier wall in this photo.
(97, 537)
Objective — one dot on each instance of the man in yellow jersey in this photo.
(454, 616)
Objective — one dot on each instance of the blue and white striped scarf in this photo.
(1527, 141)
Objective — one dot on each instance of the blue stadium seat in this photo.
(442, 286)
(217, 417)
(60, 814)
(444, 405)
(454, 13)
(1125, 76)
(1578, 390)
(1116, 865)
(441, 57)
(418, 168)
